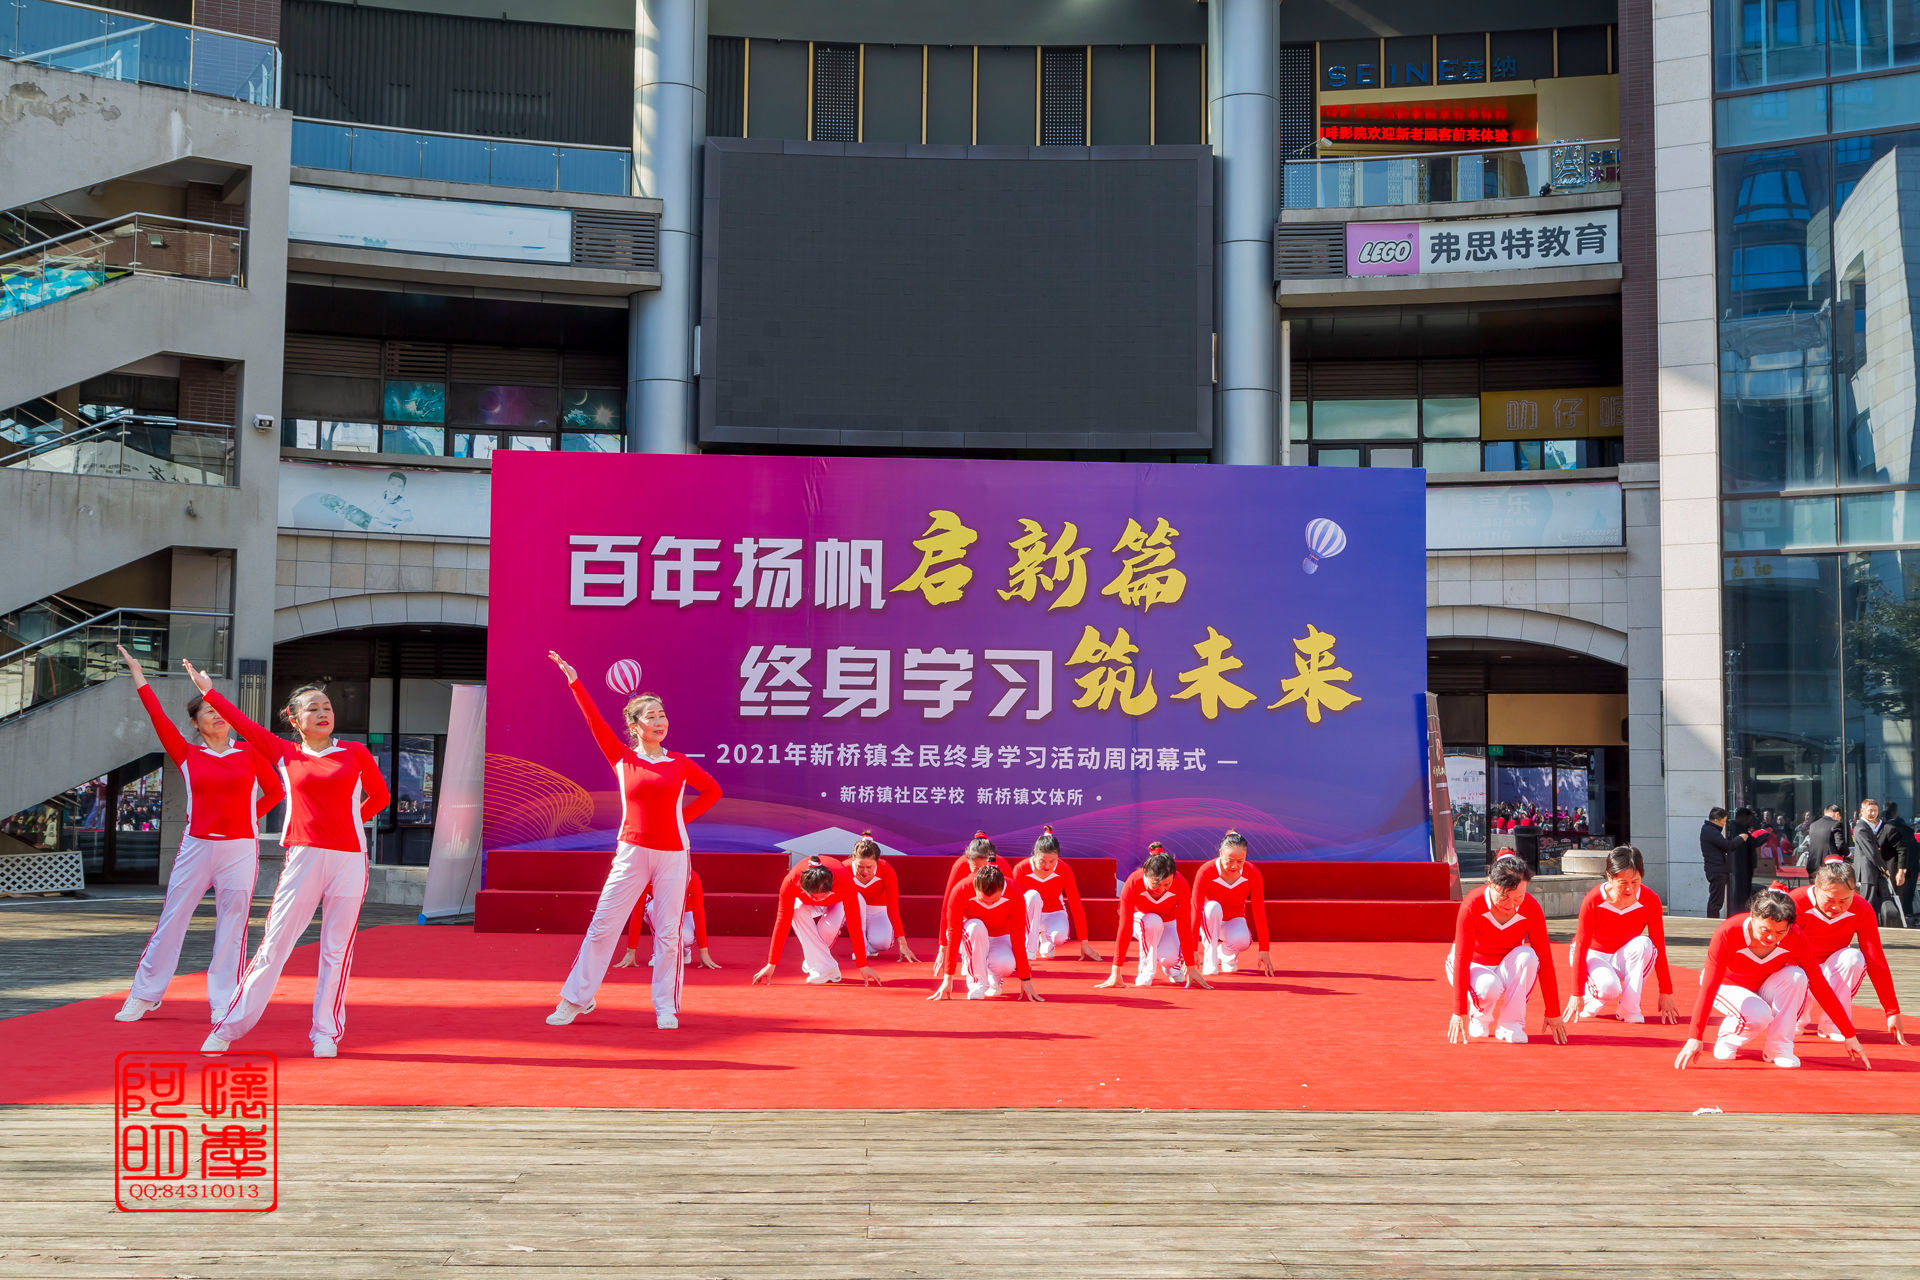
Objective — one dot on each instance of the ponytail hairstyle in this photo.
(818, 876)
(865, 847)
(1234, 839)
(293, 708)
(1773, 903)
(989, 878)
(980, 846)
(1839, 871)
(1046, 842)
(637, 707)
(1159, 864)
(1625, 858)
(1509, 871)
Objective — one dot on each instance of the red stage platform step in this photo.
(554, 891)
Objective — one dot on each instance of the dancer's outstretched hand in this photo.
(706, 959)
(133, 665)
(1195, 980)
(1857, 1054)
(1688, 1052)
(1026, 989)
(765, 975)
(1557, 1028)
(201, 680)
(1896, 1023)
(1113, 979)
(1266, 964)
(1669, 1011)
(906, 953)
(1457, 1029)
(1571, 1014)
(1088, 953)
(629, 960)
(566, 668)
(869, 974)
(942, 991)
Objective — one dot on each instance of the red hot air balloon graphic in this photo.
(623, 677)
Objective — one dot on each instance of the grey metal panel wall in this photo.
(726, 85)
(1176, 95)
(1122, 99)
(776, 88)
(950, 94)
(1008, 103)
(459, 75)
(892, 98)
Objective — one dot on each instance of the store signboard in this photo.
(1489, 517)
(1563, 413)
(449, 228)
(1590, 237)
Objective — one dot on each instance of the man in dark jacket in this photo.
(1901, 856)
(1744, 824)
(1827, 835)
(1867, 861)
(1718, 849)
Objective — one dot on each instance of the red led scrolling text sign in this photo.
(1422, 123)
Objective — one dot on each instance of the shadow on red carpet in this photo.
(443, 1016)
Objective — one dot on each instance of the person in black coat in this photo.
(1744, 825)
(1718, 849)
(1827, 835)
(1867, 861)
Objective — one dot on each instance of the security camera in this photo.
(263, 422)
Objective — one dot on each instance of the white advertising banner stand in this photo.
(453, 868)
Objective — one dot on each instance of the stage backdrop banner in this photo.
(923, 648)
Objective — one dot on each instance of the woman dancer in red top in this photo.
(1845, 940)
(230, 787)
(987, 939)
(1156, 912)
(693, 929)
(652, 850)
(980, 850)
(879, 891)
(1758, 973)
(817, 899)
(1619, 940)
(1499, 951)
(1225, 892)
(1053, 901)
(333, 789)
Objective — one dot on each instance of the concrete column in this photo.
(669, 130)
(1646, 790)
(1691, 666)
(1243, 117)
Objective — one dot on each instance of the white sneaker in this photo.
(1509, 1036)
(1631, 1018)
(1590, 1008)
(214, 1044)
(1785, 1060)
(324, 1047)
(820, 979)
(1725, 1052)
(135, 1009)
(1833, 1035)
(1046, 948)
(1229, 962)
(993, 988)
(566, 1011)
(1478, 1028)
(666, 1022)
(1177, 975)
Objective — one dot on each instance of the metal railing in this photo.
(82, 655)
(1441, 177)
(128, 46)
(460, 157)
(146, 243)
(135, 446)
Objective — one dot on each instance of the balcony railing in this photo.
(1441, 177)
(458, 157)
(82, 655)
(127, 46)
(130, 446)
(87, 257)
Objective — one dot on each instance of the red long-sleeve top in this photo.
(1606, 928)
(1057, 891)
(1827, 934)
(228, 792)
(696, 903)
(1172, 902)
(842, 893)
(961, 872)
(1480, 939)
(651, 790)
(1005, 917)
(883, 891)
(330, 793)
(1234, 897)
(1730, 958)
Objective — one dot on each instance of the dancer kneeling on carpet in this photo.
(693, 929)
(1758, 973)
(1156, 912)
(817, 899)
(980, 850)
(1499, 952)
(1225, 891)
(1053, 901)
(879, 891)
(1619, 940)
(1845, 940)
(230, 787)
(987, 938)
(652, 850)
(333, 789)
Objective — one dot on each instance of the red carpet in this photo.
(445, 1016)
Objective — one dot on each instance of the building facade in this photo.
(281, 275)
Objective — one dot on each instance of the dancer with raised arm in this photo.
(987, 939)
(230, 787)
(1225, 892)
(333, 790)
(1844, 937)
(817, 899)
(652, 849)
(1619, 939)
(1156, 911)
(1054, 913)
(1499, 953)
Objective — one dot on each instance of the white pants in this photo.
(1159, 945)
(335, 882)
(876, 928)
(1497, 993)
(633, 869)
(1046, 930)
(1773, 1011)
(985, 960)
(230, 868)
(816, 927)
(1618, 975)
(686, 937)
(1844, 971)
(1222, 940)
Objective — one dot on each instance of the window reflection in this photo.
(1881, 605)
(1874, 357)
(1782, 618)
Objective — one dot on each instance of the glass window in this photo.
(344, 437)
(591, 442)
(1366, 419)
(1880, 597)
(1758, 42)
(1297, 420)
(1390, 456)
(474, 444)
(1453, 455)
(538, 444)
(1514, 455)
(504, 406)
(1776, 524)
(1454, 418)
(1880, 517)
(421, 440)
(1879, 103)
(1560, 455)
(590, 409)
(1776, 386)
(415, 402)
(1868, 34)
(1782, 616)
(1336, 457)
(413, 780)
(1770, 117)
(1873, 340)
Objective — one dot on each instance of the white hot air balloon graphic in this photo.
(1325, 539)
(623, 677)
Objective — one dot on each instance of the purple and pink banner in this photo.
(923, 648)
